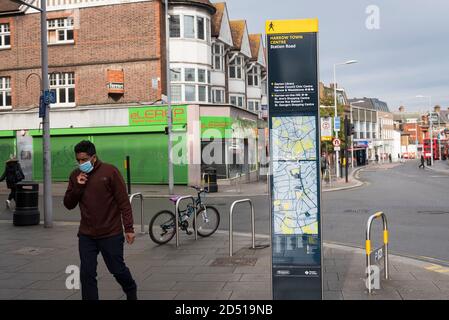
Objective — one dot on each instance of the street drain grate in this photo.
(234, 261)
(357, 211)
(434, 212)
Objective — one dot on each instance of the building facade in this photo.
(364, 119)
(410, 125)
(107, 68)
(374, 128)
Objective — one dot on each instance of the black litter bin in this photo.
(27, 201)
(429, 162)
(210, 178)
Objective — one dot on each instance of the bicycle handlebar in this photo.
(199, 189)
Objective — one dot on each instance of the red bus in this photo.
(427, 149)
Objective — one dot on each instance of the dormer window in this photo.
(235, 68)
(253, 77)
(217, 56)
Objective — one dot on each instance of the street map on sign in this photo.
(294, 138)
(295, 197)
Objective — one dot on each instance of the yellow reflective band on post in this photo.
(385, 236)
(368, 247)
(291, 26)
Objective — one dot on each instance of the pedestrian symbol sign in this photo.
(49, 97)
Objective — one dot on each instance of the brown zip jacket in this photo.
(103, 201)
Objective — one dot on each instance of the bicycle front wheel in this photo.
(162, 227)
(207, 221)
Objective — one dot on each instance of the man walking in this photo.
(422, 163)
(99, 190)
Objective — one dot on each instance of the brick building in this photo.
(87, 46)
(107, 66)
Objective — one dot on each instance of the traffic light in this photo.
(352, 131)
(349, 128)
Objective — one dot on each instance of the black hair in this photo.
(87, 147)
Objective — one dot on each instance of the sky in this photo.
(408, 55)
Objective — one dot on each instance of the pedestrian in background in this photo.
(389, 158)
(324, 165)
(13, 174)
(99, 190)
(422, 162)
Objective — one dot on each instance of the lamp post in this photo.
(430, 125)
(169, 107)
(337, 153)
(48, 201)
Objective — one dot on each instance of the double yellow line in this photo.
(437, 268)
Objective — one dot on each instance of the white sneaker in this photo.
(8, 204)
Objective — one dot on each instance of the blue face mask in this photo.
(86, 167)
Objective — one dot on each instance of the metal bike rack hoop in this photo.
(253, 229)
(177, 217)
(131, 198)
(368, 246)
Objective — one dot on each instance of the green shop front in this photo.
(140, 133)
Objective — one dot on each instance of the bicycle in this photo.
(162, 225)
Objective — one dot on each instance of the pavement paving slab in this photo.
(189, 273)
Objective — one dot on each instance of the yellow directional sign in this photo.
(291, 26)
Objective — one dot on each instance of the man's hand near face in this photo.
(82, 178)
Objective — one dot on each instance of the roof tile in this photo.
(217, 18)
(254, 41)
(8, 6)
(237, 30)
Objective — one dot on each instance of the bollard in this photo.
(253, 228)
(131, 198)
(370, 252)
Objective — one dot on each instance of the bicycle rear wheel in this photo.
(162, 227)
(207, 221)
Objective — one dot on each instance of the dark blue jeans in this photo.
(112, 251)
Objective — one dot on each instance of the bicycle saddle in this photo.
(174, 198)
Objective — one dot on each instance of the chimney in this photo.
(401, 109)
(437, 109)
